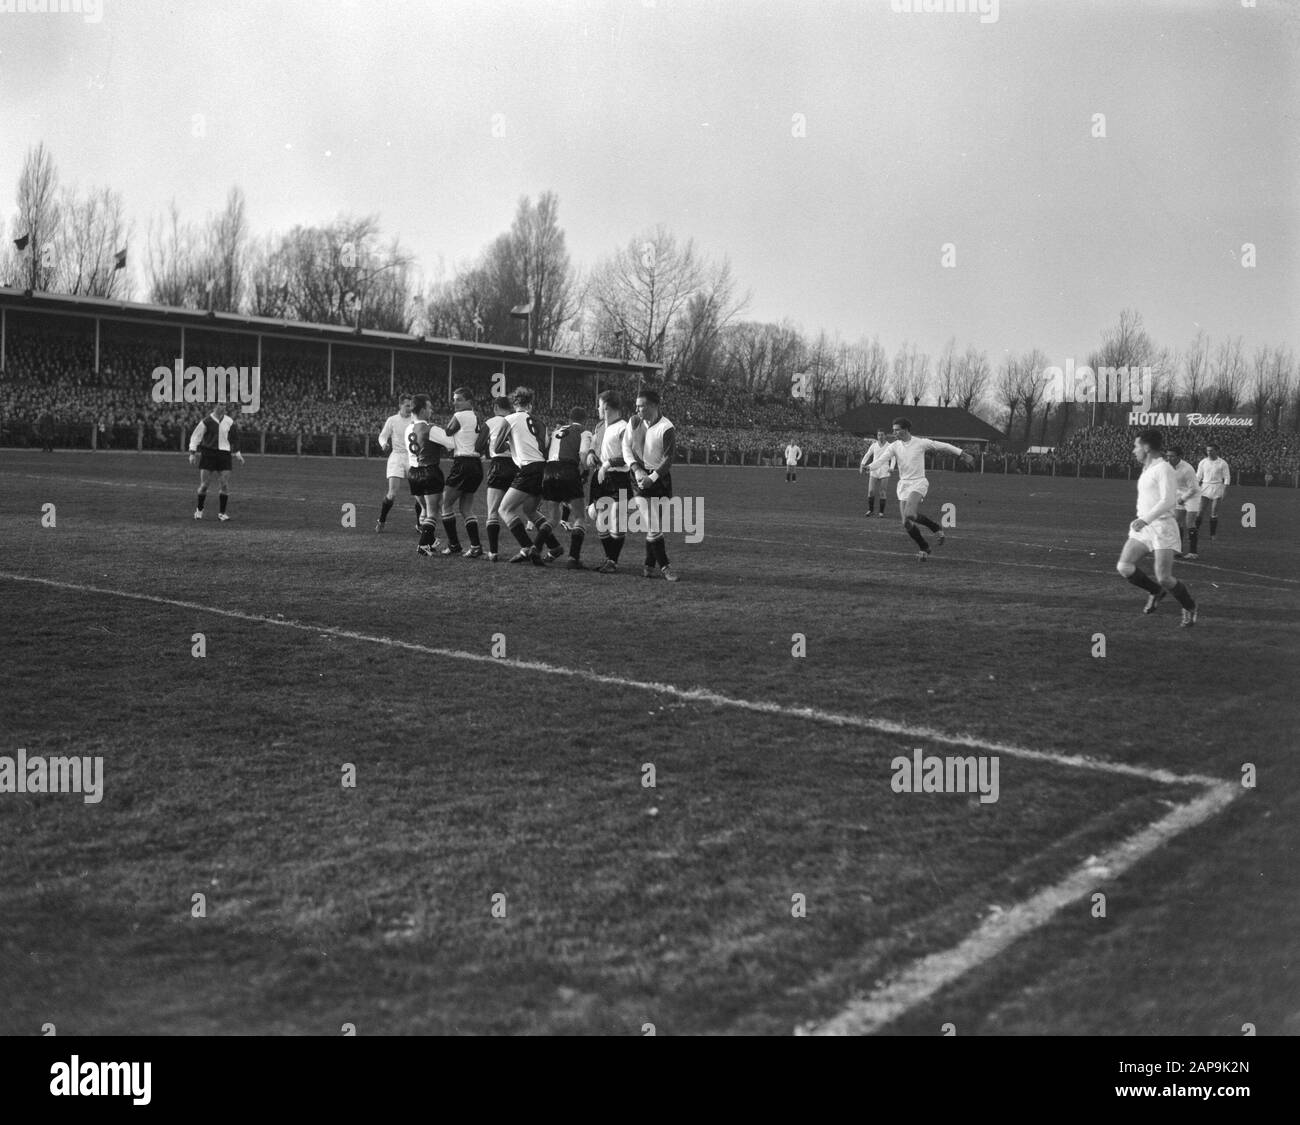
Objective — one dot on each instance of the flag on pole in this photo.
(21, 243)
(119, 259)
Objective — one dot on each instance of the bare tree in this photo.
(227, 253)
(1009, 388)
(973, 375)
(38, 219)
(1196, 370)
(1125, 345)
(1032, 384)
(93, 230)
(639, 292)
(1281, 370)
(173, 261)
(1228, 375)
(945, 374)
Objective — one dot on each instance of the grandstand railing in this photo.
(166, 437)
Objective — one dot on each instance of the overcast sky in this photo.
(921, 129)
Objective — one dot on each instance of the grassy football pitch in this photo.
(500, 865)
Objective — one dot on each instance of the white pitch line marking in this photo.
(689, 695)
(921, 980)
(924, 978)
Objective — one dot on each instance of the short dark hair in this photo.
(578, 414)
(902, 424)
(419, 402)
(405, 397)
(611, 398)
(502, 402)
(649, 394)
(464, 393)
(1154, 440)
(1177, 451)
(521, 397)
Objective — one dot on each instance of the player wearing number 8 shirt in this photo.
(424, 447)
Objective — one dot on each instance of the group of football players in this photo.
(534, 482)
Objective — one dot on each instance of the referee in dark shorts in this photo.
(212, 445)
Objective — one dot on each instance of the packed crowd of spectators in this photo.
(50, 377)
(1246, 449)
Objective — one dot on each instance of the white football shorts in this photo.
(1212, 491)
(1191, 504)
(1162, 535)
(398, 462)
(907, 487)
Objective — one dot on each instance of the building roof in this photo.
(946, 423)
(63, 305)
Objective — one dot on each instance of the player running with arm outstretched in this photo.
(909, 454)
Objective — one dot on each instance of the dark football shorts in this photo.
(501, 473)
(466, 474)
(424, 480)
(561, 482)
(529, 478)
(214, 460)
(616, 481)
(661, 487)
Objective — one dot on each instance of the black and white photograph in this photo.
(632, 518)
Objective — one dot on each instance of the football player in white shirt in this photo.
(469, 435)
(1155, 530)
(648, 451)
(882, 464)
(792, 455)
(526, 441)
(1188, 510)
(908, 453)
(1214, 477)
(501, 470)
(609, 477)
(392, 440)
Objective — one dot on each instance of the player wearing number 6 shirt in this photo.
(524, 438)
(468, 435)
(648, 451)
(1214, 477)
(392, 440)
(1155, 529)
(882, 464)
(909, 453)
